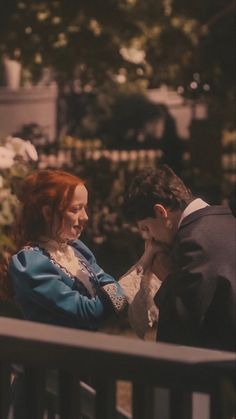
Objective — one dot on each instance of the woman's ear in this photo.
(47, 212)
(160, 211)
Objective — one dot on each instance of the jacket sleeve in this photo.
(38, 283)
(185, 296)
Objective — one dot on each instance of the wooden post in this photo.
(35, 392)
(5, 390)
(105, 402)
(143, 400)
(180, 404)
(69, 392)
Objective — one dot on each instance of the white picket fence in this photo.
(69, 157)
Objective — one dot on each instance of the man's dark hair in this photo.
(155, 186)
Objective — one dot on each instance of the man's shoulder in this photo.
(208, 215)
(212, 228)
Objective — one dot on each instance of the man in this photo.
(197, 298)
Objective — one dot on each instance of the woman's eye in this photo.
(74, 210)
(77, 209)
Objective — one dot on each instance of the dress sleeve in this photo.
(140, 289)
(111, 291)
(39, 284)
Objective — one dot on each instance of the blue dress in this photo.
(48, 293)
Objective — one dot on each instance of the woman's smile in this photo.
(75, 217)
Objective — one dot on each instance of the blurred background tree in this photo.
(92, 42)
(73, 38)
(105, 55)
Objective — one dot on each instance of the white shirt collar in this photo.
(195, 205)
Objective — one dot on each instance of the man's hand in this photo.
(161, 264)
(151, 248)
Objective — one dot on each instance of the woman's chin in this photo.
(73, 237)
(76, 233)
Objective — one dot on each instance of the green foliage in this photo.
(121, 41)
(66, 35)
(17, 158)
(90, 33)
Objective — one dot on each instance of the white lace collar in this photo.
(60, 250)
(66, 256)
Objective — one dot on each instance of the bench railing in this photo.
(79, 359)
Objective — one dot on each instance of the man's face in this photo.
(157, 228)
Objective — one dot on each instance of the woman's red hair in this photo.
(51, 188)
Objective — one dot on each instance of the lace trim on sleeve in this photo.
(119, 302)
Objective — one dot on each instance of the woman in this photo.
(55, 276)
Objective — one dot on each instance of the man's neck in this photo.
(175, 217)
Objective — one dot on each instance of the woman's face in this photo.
(75, 217)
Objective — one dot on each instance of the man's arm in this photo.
(185, 295)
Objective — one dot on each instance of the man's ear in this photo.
(46, 210)
(160, 211)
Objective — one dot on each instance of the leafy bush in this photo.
(17, 157)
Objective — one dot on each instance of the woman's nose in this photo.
(84, 215)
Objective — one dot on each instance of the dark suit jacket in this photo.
(197, 301)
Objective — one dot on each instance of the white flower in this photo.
(31, 151)
(22, 148)
(133, 55)
(14, 144)
(15, 158)
(6, 158)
